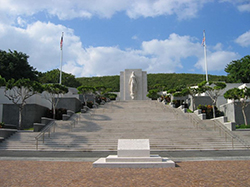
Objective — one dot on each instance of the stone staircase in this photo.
(165, 127)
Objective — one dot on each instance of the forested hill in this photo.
(169, 80)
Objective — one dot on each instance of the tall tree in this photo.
(53, 77)
(15, 65)
(19, 91)
(241, 95)
(2, 81)
(52, 94)
(239, 70)
(214, 90)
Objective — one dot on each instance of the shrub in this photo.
(59, 113)
(1, 124)
(90, 104)
(243, 126)
(153, 94)
(208, 110)
(111, 96)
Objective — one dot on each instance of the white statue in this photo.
(133, 85)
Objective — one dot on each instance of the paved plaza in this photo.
(55, 173)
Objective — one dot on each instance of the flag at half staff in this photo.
(61, 42)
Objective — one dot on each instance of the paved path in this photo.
(186, 174)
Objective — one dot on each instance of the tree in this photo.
(194, 91)
(213, 89)
(2, 81)
(19, 91)
(241, 95)
(167, 80)
(85, 90)
(15, 65)
(100, 90)
(53, 92)
(153, 94)
(239, 70)
(53, 77)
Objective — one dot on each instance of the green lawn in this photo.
(242, 126)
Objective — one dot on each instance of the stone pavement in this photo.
(185, 174)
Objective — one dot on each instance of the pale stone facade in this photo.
(133, 85)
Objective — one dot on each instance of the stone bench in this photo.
(10, 126)
(85, 109)
(38, 126)
(65, 117)
(46, 121)
(70, 113)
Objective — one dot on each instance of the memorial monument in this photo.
(134, 153)
(133, 85)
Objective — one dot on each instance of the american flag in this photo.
(61, 43)
(204, 38)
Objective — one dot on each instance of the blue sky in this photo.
(104, 37)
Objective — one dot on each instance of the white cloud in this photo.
(244, 39)
(169, 53)
(64, 9)
(216, 61)
(244, 7)
(184, 9)
(41, 41)
(218, 47)
(110, 61)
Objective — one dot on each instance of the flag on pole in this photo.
(61, 43)
(204, 38)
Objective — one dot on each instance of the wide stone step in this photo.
(166, 128)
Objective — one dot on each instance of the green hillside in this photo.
(169, 80)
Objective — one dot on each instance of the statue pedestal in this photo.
(141, 85)
(133, 153)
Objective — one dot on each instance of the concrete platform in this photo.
(134, 153)
(165, 163)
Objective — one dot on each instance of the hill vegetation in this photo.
(14, 65)
(167, 81)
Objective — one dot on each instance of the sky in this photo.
(104, 37)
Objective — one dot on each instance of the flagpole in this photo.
(61, 59)
(205, 53)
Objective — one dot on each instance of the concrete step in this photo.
(167, 129)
